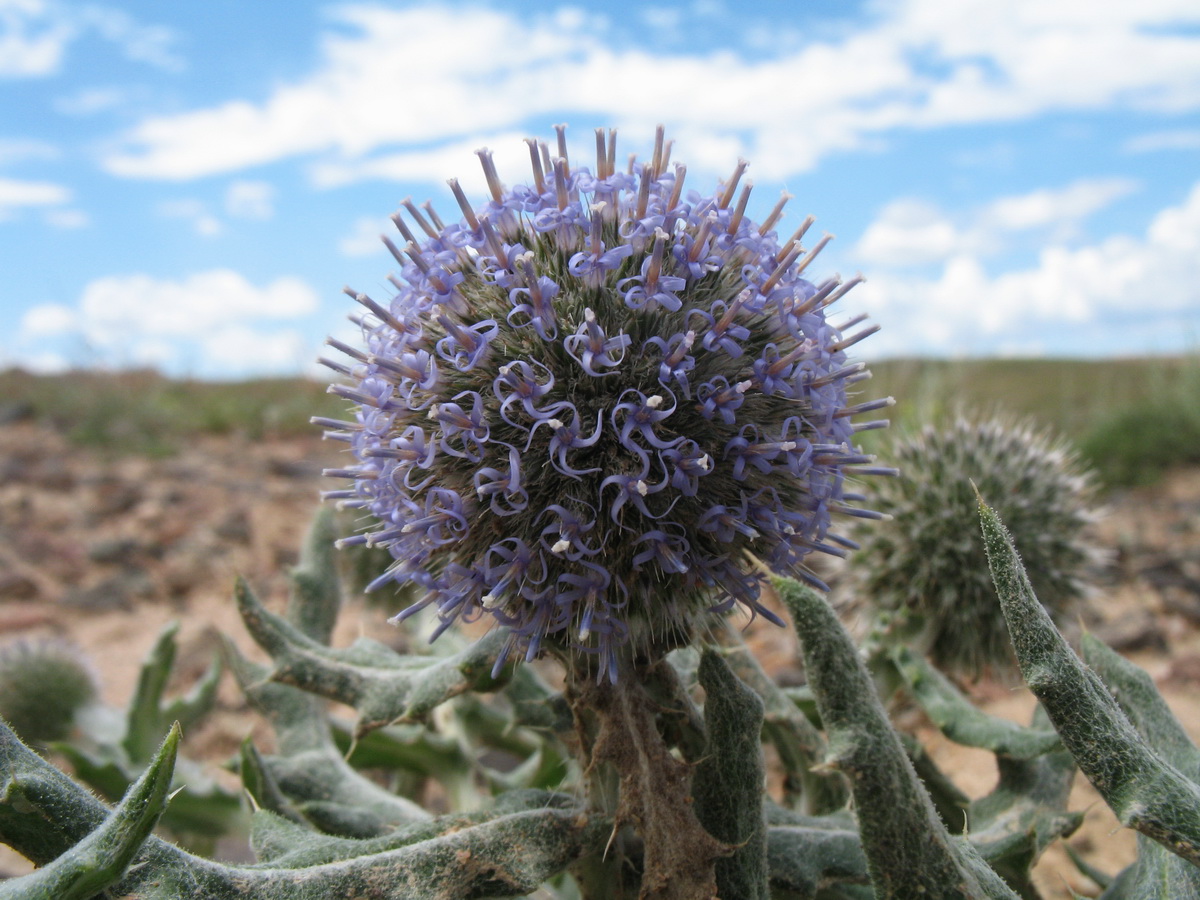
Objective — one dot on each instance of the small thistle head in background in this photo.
(596, 401)
(44, 684)
(923, 574)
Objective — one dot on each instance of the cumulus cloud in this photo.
(467, 71)
(1149, 283)
(213, 322)
(911, 232)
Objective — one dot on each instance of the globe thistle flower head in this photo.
(599, 404)
(923, 575)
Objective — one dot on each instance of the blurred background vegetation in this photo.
(1131, 419)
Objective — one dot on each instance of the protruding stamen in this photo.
(677, 191)
(845, 288)
(643, 194)
(730, 311)
(402, 226)
(727, 196)
(666, 160)
(561, 131)
(418, 218)
(535, 163)
(612, 152)
(853, 339)
(656, 159)
(560, 183)
(802, 230)
(656, 257)
(701, 238)
(774, 216)
(493, 240)
(784, 264)
(681, 349)
(382, 313)
(340, 368)
(463, 204)
(736, 219)
(490, 173)
(395, 251)
(878, 403)
(433, 216)
(601, 155)
(812, 254)
(414, 253)
(597, 244)
(843, 372)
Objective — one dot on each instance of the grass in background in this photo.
(142, 412)
(1131, 418)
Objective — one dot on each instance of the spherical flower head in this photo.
(600, 407)
(924, 572)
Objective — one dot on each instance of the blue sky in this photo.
(189, 185)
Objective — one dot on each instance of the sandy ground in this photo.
(107, 552)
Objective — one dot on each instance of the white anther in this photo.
(654, 402)
(742, 386)
(433, 411)
(489, 601)
(706, 462)
(641, 487)
(589, 316)
(555, 423)
(506, 368)
(788, 445)
(561, 546)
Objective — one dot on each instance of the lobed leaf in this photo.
(963, 722)
(1143, 789)
(909, 851)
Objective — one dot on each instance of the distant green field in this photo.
(1130, 417)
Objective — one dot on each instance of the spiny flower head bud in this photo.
(43, 686)
(598, 404)
(924, 573)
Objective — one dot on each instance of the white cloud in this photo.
(1152, 281)
(31, 44)
(467, 71)
(1051, 206)
(14, 150)
(36, 34)
(209, 323)
(910, 232)
(250, 200)
(1182, 139)
(194, 211)
(91, 100)
(363, 239)
(67, 218)
(16, 195)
